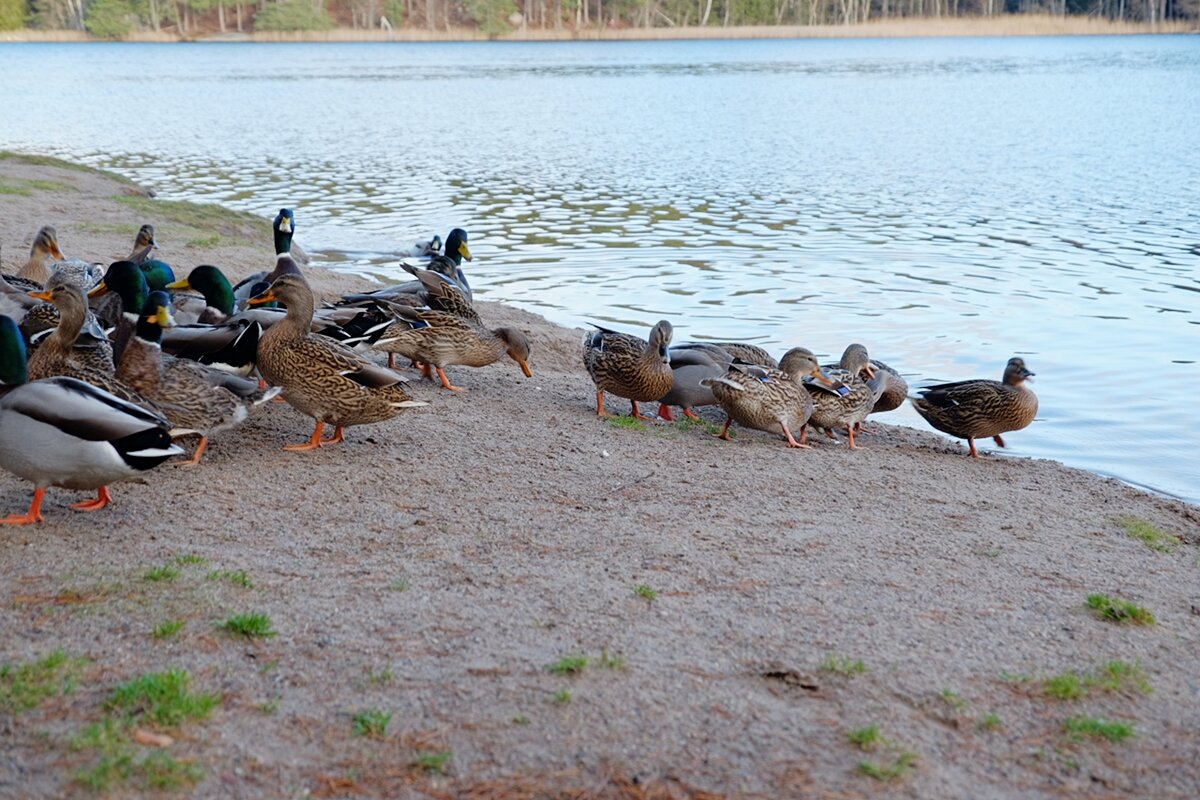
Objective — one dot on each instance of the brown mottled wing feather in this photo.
(976, 408)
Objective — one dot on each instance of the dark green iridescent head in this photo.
(210, 282)
(284, 226)
(12, 353)
(456, 246)
(158, 274)
(127, 281)
(155, 316)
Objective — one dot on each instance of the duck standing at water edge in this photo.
(768, 399)
(629, 366)
(979, 408)
(64, 432)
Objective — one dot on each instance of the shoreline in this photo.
(1010, 25)
(547, 603)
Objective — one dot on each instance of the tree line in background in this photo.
(115, 18)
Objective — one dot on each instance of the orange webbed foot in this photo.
(103, 498)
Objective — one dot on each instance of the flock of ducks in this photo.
(101, 370)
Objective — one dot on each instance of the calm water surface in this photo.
(950, 203)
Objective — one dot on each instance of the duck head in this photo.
(291, 290)
(800, 363)
(212, 283)
(156, 315)
(660, 340)
(517, 346)
(456, 246)
(284, 226)
(46, 244)
(1015, 372)
(856, 361)
(127, 281)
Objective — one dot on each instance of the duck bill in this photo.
(42, 295)
(98, 290)
(822, 377)
(162, 317)
(870, 372)
(525, 368)
(266, 297)
(180, 285)
(54, 251)
(1027, 375)
(285, 225)
(465, 251)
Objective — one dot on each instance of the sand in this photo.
(434, 566)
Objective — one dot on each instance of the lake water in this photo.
(948, 202)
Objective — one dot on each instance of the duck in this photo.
(216, 303)
(284, 228)
(894, 389)
(194, 399)
(319, 377)
(231, 347)
(43, 254)
(628, 366)
(426, 248)
(63, 432)
(976, 409)
(769, 399)
(738, 351)
(158, 273)
(143, 245)
(447, 266)
(689, 367)
(439, 339)
(845, 400)
(127, 281)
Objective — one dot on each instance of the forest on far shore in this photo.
(197, 18)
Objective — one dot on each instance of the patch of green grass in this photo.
(205, 241)
(433, 762)
(843, 666)
(163, 698)
(198, 215)
(644, 591)
(608, 660)
(954, 700)
(1115, 609)
(1065, 686)
(166, 572)
(161, 771)
(1015, 677)
(569, 665)
(688, 423)
(1113, 676)
(12, 189)
(626, 423)
(168, 628)
(119, 763)
(865, 738)
(1149, 535)
(24, 686)
(889, 771)
(990, 722)
(520, 719)
(399, 585)
(561, 697)
(373, 722)
(48, 186)
(189, 559)
(1081, 727)
(249, 625)
(381, 678)
(237, 577)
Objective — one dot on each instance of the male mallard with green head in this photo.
(979, 408)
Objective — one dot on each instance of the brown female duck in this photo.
(628, 366)
(62, 352)
(768, 399)
(979, 408)
(847, 403)
(320, 377)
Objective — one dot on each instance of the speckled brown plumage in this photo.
(319, 377)
(42, 254)
(833, 410)
(979, 408)
(628, 366)
(767, 399)
(749, 353)
(894, 391)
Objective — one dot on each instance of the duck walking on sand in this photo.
(768, 399)
(848, 401)
(979, 408)
(64, 432)
(320, 377)
(628, 366)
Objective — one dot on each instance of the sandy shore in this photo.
(435, 565)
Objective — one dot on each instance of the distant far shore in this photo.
(1008, 25)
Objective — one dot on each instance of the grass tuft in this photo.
(865, 738)
(569, 665)
(990, 722)
(433, 762)
(607, 660)
(520, 719)
(1111, 676)
(843, 666)
(890, 771)
(1115, 609)
(954, 700)
(399, 585)
(190, 559)
(626, 423)
(237, 577)
(249, 625)
(1083, 727)
(162, 698)
(1148, 534)
(24, 686)
(644, 591)
(1066, 686)
(372, 722)
(167, 572)
(561, 697)
(168, 628)
(119, 763)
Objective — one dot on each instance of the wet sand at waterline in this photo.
(435, 565)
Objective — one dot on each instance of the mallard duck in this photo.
(64, 432)
(894, 388)
(217, 304)
(127, 281)
(319, 377)
(979, 408)
(439, 339)
(768, 399)
(143, 245)
(425, 249)
(158, 272)
(194, 399)
(61, 352)
(43, 254)
(845, 400)
(690, 366)
(628, 366)
(447, 267)
(283, 227)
